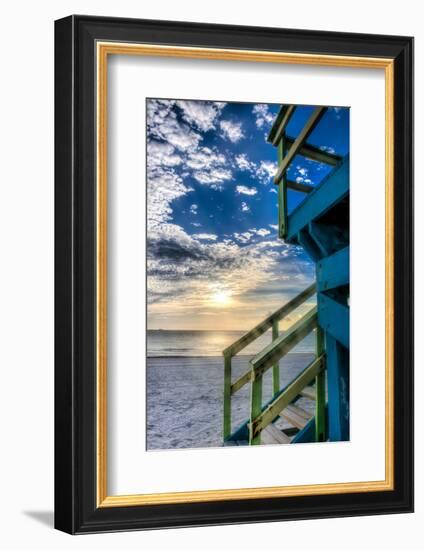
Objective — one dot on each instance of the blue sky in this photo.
(214, 260)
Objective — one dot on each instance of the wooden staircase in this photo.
(320, 224)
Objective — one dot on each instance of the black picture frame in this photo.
(76, 508)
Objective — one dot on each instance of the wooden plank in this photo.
(272, 436)
(241, 381)
(333, 271)
(275, 125)
(294, 415)
(310, 246)
(282, 194)
(320, 429)
(227, 396)
(308, 392)
(283, 124)
(286, 397)
(300, 140)
(284, 343)
(333, 317)
(338, 390)
(264, 325)
(301, 187)
(314, 153)
(331, 191)
(255, 407)
(276, 366)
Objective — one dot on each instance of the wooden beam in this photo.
(299, 186)
(315, 153)
(334, 318)
(263, 326)
(333, 271)
(241, 381)
(276, 366)
(284, 343)
(255, 407)
(227, 396)
(299, 142)
(282, 193)
(283, 124)
(327, 194)
(286, 397)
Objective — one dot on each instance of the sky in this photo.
(214, 261)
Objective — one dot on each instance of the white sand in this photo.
(184, 398)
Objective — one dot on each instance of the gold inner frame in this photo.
(104, 49)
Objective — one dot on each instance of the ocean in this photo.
(209, 343)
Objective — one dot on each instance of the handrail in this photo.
(229, 352)
(277, 349)
(264, 360)
(286, 397)
(284, 343)
(266, 324)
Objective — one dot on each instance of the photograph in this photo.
(247, 249)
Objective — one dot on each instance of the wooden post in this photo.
(227, 395)
(320, 431)
(255, 405)
(282, 193)
(338, 389)
(276, 367)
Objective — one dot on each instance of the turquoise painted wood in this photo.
(333, 317)
(333, 271)
(338, 390)
(330, 192)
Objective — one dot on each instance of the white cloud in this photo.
(245, 207)
(202, 114)
(266, 171)
(301, 175)
(162, 123)
(263, 116)
(193, 209)
(328, 149)
(243, 237)
(273, 226)
(242, 189)
(273, 190)
(231, 130)
(213, 177)
(162, 154)
(205, 236)
(164, 186)
(244, 164)
(336, 111)
(263, 232)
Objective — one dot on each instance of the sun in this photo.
(220, 298)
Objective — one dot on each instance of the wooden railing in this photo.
(259, 418)
(288, 148)
(272, 321)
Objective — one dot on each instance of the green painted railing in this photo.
(259, 418)
(271, 322)
(288, 148)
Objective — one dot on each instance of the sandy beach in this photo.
(184, 398)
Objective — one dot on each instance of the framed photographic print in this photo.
(234, 274)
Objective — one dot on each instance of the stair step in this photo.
(272, 435)
(308, 392)
(296, 416)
